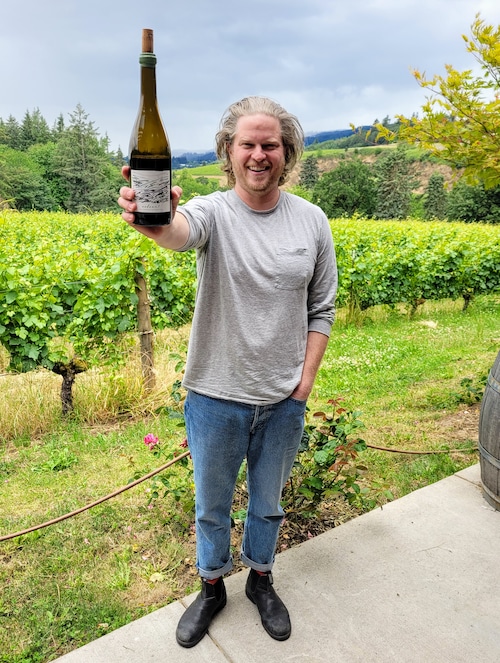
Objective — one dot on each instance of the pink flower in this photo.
(151, 441)
(184, 443)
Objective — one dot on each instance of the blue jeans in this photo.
(220, 435)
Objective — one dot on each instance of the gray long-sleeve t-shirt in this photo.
(265, 279)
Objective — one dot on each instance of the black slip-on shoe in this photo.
(272, 610)
(195, 621)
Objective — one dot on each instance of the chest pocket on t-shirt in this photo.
(292, 269)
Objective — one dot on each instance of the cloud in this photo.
(330, 63)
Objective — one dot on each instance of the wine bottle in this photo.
(149, 151)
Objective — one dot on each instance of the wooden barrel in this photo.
(489, 437)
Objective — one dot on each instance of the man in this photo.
(267, 280)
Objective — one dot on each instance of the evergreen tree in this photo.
(347, 189)
(43, 155)
(435, 199)
(58, 128)
(309, 173)
(89, 178)
(3, 133)
(119, 159)
(10, 133)
(394, 186)
(34, 129)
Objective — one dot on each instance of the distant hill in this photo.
(192, 159)
(323, 136)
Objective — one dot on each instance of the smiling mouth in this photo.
(253, 169)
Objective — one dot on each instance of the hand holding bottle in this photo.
(172, 236)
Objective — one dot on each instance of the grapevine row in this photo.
(67, 282)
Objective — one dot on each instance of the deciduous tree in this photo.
(22, 184)
(347, 189)
(473, 203)
(461, 118)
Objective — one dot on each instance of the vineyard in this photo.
(68, 284)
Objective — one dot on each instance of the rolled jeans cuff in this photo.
(213, 575)
(264, 568)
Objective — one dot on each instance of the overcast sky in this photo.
(330, 62)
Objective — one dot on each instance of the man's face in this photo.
(257, 155)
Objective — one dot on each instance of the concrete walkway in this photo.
(415, 582)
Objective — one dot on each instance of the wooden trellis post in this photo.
(145, 331)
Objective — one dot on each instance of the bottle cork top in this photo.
(147, 40)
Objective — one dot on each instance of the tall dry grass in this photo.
(30, 403)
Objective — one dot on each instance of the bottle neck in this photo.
(148, 136)
(148, 83)
(148, 76)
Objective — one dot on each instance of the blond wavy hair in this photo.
(292, 133)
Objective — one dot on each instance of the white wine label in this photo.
(152, 190)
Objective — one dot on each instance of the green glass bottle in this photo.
(149, 151)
